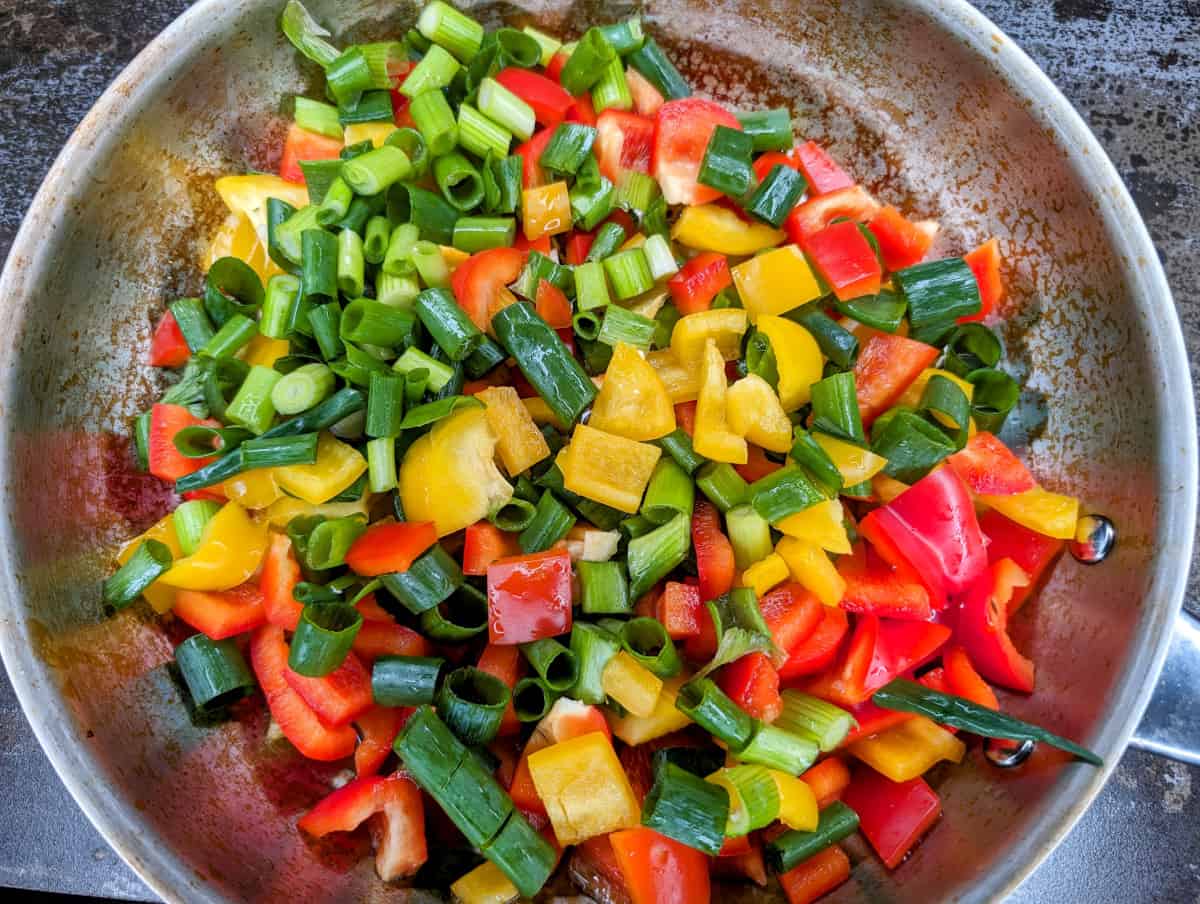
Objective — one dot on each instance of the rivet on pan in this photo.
(1095, 537)
(1004, 754)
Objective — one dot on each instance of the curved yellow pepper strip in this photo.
(337, 466)
(776, 282)
(229, 553)
(160, 597)
(797, 356)
(255, 489)
(682, 381)
(724, 326)
(811, 567)
(755, 412)
(632, 402)
(765, 574)
(248, 195)
(797, 803)
(820, 524)
(284, 509)
(909, 749)
(709, 227)
(712, 438)
(1052, 514)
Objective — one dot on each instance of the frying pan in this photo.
(926, 101)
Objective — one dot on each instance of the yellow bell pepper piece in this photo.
(486, 884)
(709, 227)
(886, 488)
(665, 718)
(449, 476)
(374, 132)
(237, 238)
(541, 413)
(284, 509)
(755, 412)
(608, 468)
(811, 567)
(909, 749)
(263, 351)
(724, 326)
(713, 438)
(160, 597)
(912, 395)
(337, 466)
(518, 440)
(584, 788)
(648, 304)
(255, 489)
(853, 462)
(775, 282)
(682, 381)
(797, 802)
(821, 524)
(765, 574)
(248, 195)
(452, 256)
(637, 240)
(631, 684)
(230, 551)
(797, 356)
(1052, 514)
(545, 210)
(632, 402)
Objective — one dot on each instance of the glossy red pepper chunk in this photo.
(753, 684)
(698, 281)
(821, 171)
(1032, 551)
(388, 548)
(989, 467)
(845, 260)
(714, 553)
(818, 651)
(892, 815)
(982, 628)
(624, 141)
(529, 597)
(168, 348)
(550, 103)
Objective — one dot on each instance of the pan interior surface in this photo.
(933, 111)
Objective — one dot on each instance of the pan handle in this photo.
(1171, 724)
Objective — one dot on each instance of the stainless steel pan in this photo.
(925, 100)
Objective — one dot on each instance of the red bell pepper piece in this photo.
(399, 835)
(901, 241)
(965, 681)
(885, 368)
(984, 262)
(845, 260)
(529, 597)
(828, 779)
(221, 613)
(685, 417)
(531, 153)
(387, 638)
(698, 281)
(504, 663)
(304, 145)
(874, 588)
(747, 864)
(845, 683)
(892, 815)
(753, 684)
(552, 305)
(297, 721)
(368, 607)
(816, 213)
(823, 174)
(818, 651)
(594, 870)
(1032, 551)
(815, 877)
(932, 526)
(168, 348)
(400, 102)
(389, 548)
(714, 553)
(757, 465)
(483, 544)
(989, 468)
(541, 244)
(677, 607)
(213, 494)
(339, 696)
(900, 647)
(684, 128)
(871, 720)
(378, 728)
(735, 847)
(646, 98)
(277, 583)
(555, 66)
(582, 111)
(638, 764)
(660, 870)
(764, 163)
(935, 679)
(702, 646)
(567, 719)
(792, 613)
(166, 462)
(479, 278)
(624, 141)
(578, 246)
(549, 101)
(983, 628)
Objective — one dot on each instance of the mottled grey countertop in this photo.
(1131, 67)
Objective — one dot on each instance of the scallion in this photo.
(551, 521)
(709, 707)
(554, 663)
(753, 798)
(654, 555)
(722, 485)
(647, 641)
(323, 638)
(777, 194)
(652, 63)
(726, 163)
(435, 120)
(603, 588)
(149, 562)
(405, 680)
(544, 360)
(585, 66)
(472, 702)
(593, 647)
(214, 671)
(459, 181)
(428, 581)
(687, 808)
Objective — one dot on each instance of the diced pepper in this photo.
(378, 728)
(828, 779)
(845, 260)
(390, 547)
(387, 638)
(374, 132)
(810, 566)
(682, 132)
(822, 524)
(764, 163)
(665, 718)
(220, 614)
(567, 719)
(965, 681)
(792, 614)
(483, 544)
(518, 440)
(909, 749)
(504, 662)
(165, 461)
(698, 281)
(633, 402)
(631, 684)
(820, 648)
(815, 877)
(646, 98)
(531, 153)
(874, 719)
(168, 348)
(757, 465)
(582, 111)
(487, 883)
(797, 357)
(545, 210)
(301, 144)
(660, 870)
(160, 596)
(277, 583)
(480, 283)
(886, 488)
(766, 573)
(624, 142)
(754, 412)
(685, 416)
(607, 468)
(820, 170)
(775, 282)
(529, 597)
(982, 628)
(714, 553)
(854, 463)
(911, 397)
(677, 607)
(337, 466)
(988, 467)
(283, 510)
(549, 102)
(230, 551)
(725, 326)
(247, 196)
(886, 366)
(449, 476)
(255, 489)
(584, 789)
(753, 684)
(901, 241)
(1050, 514)
(984, 262)
(340, 696)
(892, 816)
(1032, 551)
(874, 588)
(816, 213)
(541, 412)
(711, 227)
(713, 438)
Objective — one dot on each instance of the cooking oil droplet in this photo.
(1095, 537)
